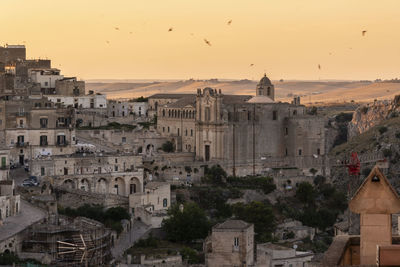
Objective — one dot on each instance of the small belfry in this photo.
(265, 88)
(375, 201)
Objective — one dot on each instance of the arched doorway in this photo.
(119, 187)
(149, 149)
(84, 185)
(69, 184)
(102, 186)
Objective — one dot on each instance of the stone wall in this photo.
(74, 198)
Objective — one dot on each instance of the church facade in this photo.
(245, 134)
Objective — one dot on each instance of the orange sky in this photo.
(285, 38)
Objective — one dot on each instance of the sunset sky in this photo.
(285, 38)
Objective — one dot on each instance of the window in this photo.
(185, 132)
(123, 139)
(168, 128)
(43, 122)
(178, 131)
(116, 160)
(3, 162)
(165, 202)
(295, 112)
(286, 151)
(132, 188)
(269, 91)
(43, 140)
(42, 171)
(300, 152)
(116, 168)
(163, 129)
(236, 242)
(46, 83)
(274, 115)
(191, 132)
(318, 151)
(286, 131)
(207, 114)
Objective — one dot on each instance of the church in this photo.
(244, 134)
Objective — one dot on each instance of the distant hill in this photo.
(315, 92)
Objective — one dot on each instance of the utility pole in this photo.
(233, 141)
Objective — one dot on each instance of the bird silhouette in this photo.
(251, 65)
(207, 42)
(170, 29)
(116, 28)
(229, 22)
(363, 33)
(108, 42)
(130, 32)
(319, 66)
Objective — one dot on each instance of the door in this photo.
(21, 159)
(207, 152)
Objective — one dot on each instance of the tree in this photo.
(260, 215)
(168, 147)
(186, 225)
(305, 193)
(215, 174)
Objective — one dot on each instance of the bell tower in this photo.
(265, 88)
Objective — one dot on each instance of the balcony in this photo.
(44, 143)
(22, 144)
(62, 144)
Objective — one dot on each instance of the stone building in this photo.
(47, 79)
(12, 53)
(70, 87)
(244, 134)
(231, 243)
(9, 201)
(90, 101)
(178, 119)
(151, 205)
(35, 127)
(271, 255)
(159, 100)
(115, 173)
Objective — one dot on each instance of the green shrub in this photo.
(168, 147)
(387, 153)
(190, 255)
(382, 129)
(305, 193)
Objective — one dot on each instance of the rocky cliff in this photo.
(372, 114)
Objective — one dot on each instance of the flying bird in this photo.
(116, 28)
(229, 22)
(251, 65)
(319, 66)
(363, 33)
(108, 42)
(170, 29)
(207, 42)
(130, 32)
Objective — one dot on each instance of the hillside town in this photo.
(201, 179)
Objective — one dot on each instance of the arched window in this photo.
(169, 113)
(269, 90)
(163, 113)
(165, 202)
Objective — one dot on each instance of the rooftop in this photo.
(183, 102)
(171, 96)
(233, 224)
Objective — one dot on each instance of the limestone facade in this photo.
(240, 132)
(35, 127)
(114, 173)
(231, 243)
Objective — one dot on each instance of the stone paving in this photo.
(128, 239)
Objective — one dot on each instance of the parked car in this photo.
(33, 178)
(27, 183)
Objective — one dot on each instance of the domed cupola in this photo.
(265, 88)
